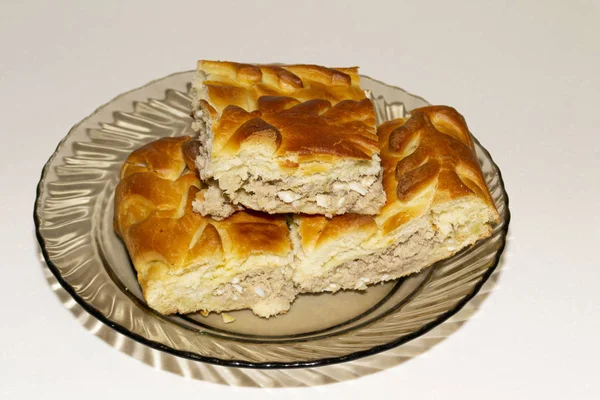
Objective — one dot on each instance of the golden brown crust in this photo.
(256, 233)
(160, 157)
(316, 110)
(311, 129)
(434, 145)
(317, 230)
(254, 132)
(154, 217)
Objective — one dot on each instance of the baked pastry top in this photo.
(437, 203)
(301, 123)
(428, 160)
(241, 85)
(186, 262)
(305, 109)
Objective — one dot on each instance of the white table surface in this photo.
(525, 75)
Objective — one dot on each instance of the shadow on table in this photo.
(276, 377)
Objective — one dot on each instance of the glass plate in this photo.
(73, 217)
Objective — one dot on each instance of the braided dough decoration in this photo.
(435, 145)
(428, 160)
(242, 85)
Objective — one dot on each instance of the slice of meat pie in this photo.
(437, 204)
(285, 139)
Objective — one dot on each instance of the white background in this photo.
(525, 75)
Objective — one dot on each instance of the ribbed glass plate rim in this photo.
(89, 308)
